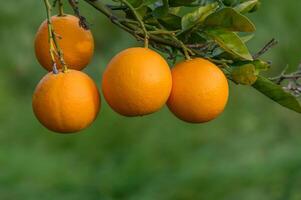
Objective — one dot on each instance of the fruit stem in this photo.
(185, 49)
(50, 37)
(139, 19)
(54, 48)
(61, 8)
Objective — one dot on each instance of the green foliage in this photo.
(231, 20)
(175, 3)
(247, 6)
(171, 22)
(218, 27)
(230, 42)
(197, 17)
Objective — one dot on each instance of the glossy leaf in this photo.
(176, 3)
(135, 3)
(247, 38)
(246, 6)
(230, 42)
(143, 11)
(140, 3)
(171, 22)
(230, 19)
(161, 11)
(198, 16)
(277, 94)
(174, 10)
(229, 2)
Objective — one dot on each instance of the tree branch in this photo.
(266, 47)
(291, 81)
(82, 20)
(132, 27)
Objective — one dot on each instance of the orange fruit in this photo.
(76, 43)
(137, 82)
(199, 92)
(66, 102)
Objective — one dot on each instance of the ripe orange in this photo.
(66, 102)
(136, 82)
(76, 43)
(199, 92)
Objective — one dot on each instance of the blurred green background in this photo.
(251, 152)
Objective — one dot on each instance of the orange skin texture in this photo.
(76, 43)
(137, 82)
(200, 91)
(66, 102)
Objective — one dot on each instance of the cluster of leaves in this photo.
(215, 29)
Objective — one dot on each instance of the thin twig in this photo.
(266, 47)
(50, 37)
(186, 50)
(82, 20)
(291, 81)
(162, 32)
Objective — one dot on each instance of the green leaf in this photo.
(149, 2)
(171, 22)
(143, 11)
(230, 42)
(174, 10)
(230, 2)
(161, 11)
(230, 19)
(135, 3)
(176, 3)
(139, 3)
(245, 74)
(198, 16)
(277, 94)
(247, 6)
(247, 38)
(196, 38)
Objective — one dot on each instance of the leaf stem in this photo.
(50, 36)
(61, 9)
(138, 17)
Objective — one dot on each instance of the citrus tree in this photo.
(205, 37)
